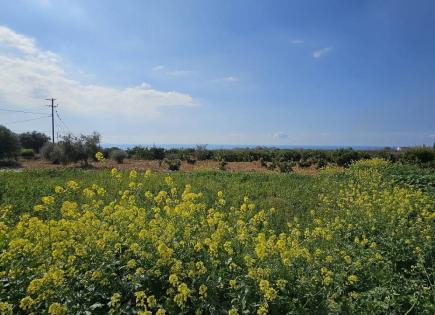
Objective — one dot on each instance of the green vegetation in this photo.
(358, 240)
(9, 144)
(33, 140)
(271, 158)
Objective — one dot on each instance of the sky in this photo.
(322, 72)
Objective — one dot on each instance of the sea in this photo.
(245, 146)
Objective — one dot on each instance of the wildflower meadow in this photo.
(345, 241)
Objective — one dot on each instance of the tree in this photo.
(9, 144)
(73, 149)
(33, 140)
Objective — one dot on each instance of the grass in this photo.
(293, 194)
(354, 241)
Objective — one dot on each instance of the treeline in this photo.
(424, 156)
(30, 145)
(71, 149)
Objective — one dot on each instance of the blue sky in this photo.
(235, 72)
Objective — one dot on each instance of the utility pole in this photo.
(52, 116)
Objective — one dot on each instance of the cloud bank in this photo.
(29, 74)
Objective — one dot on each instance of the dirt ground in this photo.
(141, 165)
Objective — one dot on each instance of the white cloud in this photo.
(227, 79)
(28, 75)
(279, 135)
(432, 136)
(296, 41)
(171, 72)
(319, 53)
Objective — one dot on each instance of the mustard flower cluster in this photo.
(367, 248)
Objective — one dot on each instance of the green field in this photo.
(355, 241)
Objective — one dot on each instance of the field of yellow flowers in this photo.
(142, 243)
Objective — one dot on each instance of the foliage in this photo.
(190, 159)
(223, 165)
(420, 155)
(173, 164)
(72, 149)
(285, 167)
(153, 153)
(33, 140)
(118, 156)
(366, 246)
(201, 152)
(51, 152)
(27, 153)
(9, 144)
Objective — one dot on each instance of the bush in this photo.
(285, 167)
(345, 157)
(51, 152)
(153, 153)
(28, 154)
(190, 159)
(9, 144)
(118, 156)
(223, 165)
(72, 149)
(33, 140)
(173, 164)
(419, 155)
(201, 152)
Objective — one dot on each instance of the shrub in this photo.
(223, 165)
(142, 153)
(190, 159)
(33, 140)
(9, 144)
(201, 152)
(345, 157)
(27, 153)
(51, 152)
(173, 164)
(263, 163)
(118, 156)
(72, 149)
(419, 155)
(285, 167)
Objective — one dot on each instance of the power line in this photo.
(61, 120)
(20, 111)
(25, 120)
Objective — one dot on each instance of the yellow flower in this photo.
(173, 279)
(115, 300)
(99, 156)
(152, 301)
(48, 200)
(352, 279)
(233, 311)
(72, 185)
(203, 290)
(57, 309)
(233, 283)
(148, 173)
(39, 208)
(58, 189)
(262, 310)
(26, 303)
(131, 264)
(161, 311)
(169, 181)
(132, 175)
